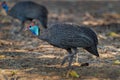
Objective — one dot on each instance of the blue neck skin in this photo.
(5, 7)
(35, 30)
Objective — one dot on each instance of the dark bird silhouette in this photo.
(69, 37)
(27, 10)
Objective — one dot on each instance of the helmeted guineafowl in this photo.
(69, 37)
(27, 10)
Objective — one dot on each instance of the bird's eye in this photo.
(30, 26)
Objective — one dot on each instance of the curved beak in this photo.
(27, 28)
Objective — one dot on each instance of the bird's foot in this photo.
(69, 57)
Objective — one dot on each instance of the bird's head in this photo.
(4, 6)
(34, 28)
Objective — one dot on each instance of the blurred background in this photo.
(24, 57)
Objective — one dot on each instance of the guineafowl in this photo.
(69, 37)
(27, 10)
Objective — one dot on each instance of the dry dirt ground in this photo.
(24, 57)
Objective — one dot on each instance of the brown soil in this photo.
(24, 57)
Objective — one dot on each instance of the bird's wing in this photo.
(80, 41)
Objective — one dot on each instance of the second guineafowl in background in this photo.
(27, 10)
(69, 37)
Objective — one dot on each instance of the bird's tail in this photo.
(93, 50)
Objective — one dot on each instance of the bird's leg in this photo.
(72, 56)
(13, 28)
(77, 59)
(22, 27)
(66, 57)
